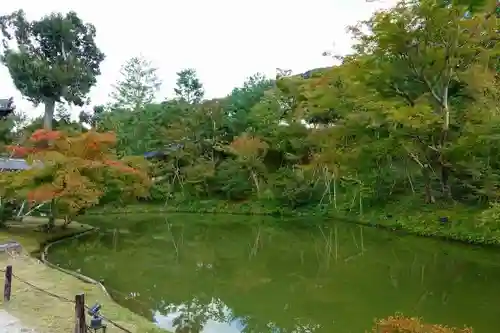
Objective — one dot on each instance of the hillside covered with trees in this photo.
(407, 123)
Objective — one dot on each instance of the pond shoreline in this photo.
(222, 268)
(44, 258)
(436, 230)
(32, 265)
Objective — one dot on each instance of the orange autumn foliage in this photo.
(401, 324)
(41, 194)
(247, 146)
(43, 134)
(76, 171)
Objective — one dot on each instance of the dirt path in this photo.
(10, 324)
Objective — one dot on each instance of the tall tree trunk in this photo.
(47, 125)
(50, 105)
(445, 170)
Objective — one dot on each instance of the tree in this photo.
(10, 128)
(137, 87)
(56, 58)
(62, 113)
(407, 116)
(92, 118)
(189, 88)
(424, 54)
(249, 151)
(74, 172)
(240, 102)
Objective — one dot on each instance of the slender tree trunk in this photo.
(52, 215)
(49, 114)
(256, 182)
(429, 198)
(445, 185)
(445, 170)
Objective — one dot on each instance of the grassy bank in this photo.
(405, 215)
(43, 311)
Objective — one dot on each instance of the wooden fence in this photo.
(79, 301)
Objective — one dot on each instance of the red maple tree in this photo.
(75, 171)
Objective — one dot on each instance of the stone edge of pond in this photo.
(438, 232)
(84, 278)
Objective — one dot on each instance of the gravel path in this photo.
(10, 324)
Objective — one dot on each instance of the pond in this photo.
(230, 274)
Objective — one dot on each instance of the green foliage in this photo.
(189, 89)
(137, 87)
(240, 103)
(56, 58)
(490, 218)
(411, 115)
(62, 113)
(408, 115)
(10, 129)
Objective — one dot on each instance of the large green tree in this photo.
(56, 58)
(436, 60)
(238, 105)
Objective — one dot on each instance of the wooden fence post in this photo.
(80, 323)
(7, 289)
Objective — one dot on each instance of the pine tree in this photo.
(138, 85)
(189, 88)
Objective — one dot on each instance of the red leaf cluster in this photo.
(19, 151)
(43, 134)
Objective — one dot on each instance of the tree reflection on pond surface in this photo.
(238, 274)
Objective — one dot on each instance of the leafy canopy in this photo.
(188, 87)
(56, 57)
(76, 171)
(138, 85)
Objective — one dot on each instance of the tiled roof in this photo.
(6, 104)
(13, 164)
(168, 149)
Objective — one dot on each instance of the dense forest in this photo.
(413, 114)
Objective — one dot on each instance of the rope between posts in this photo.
(65, 299)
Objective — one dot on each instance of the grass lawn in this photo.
(46, 313)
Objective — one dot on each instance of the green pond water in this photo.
(230, 274)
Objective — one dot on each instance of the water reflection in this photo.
(215, 317)
(205, 276)
(195, 317)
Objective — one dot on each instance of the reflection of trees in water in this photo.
(219, 262)
(252, 326)
(192, 317)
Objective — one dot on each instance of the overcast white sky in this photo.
(224, 40)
